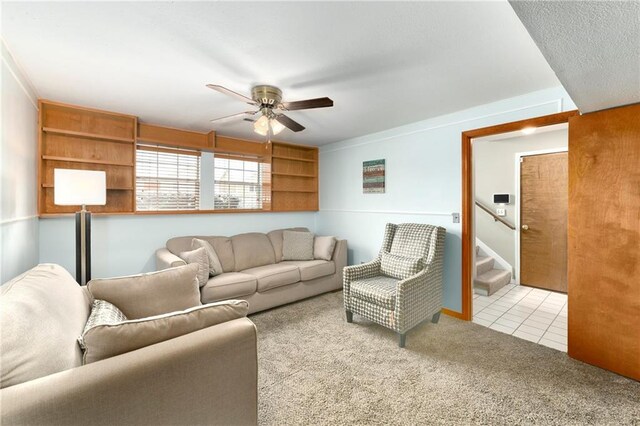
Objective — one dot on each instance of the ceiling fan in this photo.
(268, 99)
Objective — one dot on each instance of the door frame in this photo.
(467, 193)
(517, 171)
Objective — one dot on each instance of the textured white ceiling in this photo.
(593, 47)
(384, 64)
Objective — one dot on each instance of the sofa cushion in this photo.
(199, 257)
(311, 269)
(272, 276)
(154, 293)
(42, 313)
(399, 267)
(252, 250)
(379, 290)
(227, 286)
(108, 340)
(323, 247)
(297, 245)
(221, 245)
(215, 267)
(276, 240)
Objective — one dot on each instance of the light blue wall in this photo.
(423, 178)
(18, 166)
(124, 245)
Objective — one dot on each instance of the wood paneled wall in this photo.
(604, 239)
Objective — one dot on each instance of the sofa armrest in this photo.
(340, 258)
(205, 377)
(165, 260)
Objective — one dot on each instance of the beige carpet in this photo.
(314, 368)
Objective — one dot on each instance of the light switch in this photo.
(455, 217)
(501, 212)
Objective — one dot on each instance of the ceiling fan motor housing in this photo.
(267, 96)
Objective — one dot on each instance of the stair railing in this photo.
(495, 216)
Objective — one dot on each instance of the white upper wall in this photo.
(18, 169)
(423, 178)
(495, 171)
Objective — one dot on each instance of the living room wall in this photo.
(423, 178)
(124, 245)
(18, 165)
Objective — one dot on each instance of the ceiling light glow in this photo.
(528, 130)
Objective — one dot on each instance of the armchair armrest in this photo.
(165, 260)
(358, 272)
(418, 296)
(205, 377)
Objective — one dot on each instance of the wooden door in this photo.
(543, 221)
(604, 239)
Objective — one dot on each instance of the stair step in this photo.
(484, 264)
(491, 281)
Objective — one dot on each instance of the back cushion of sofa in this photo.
(42, 313)
(222, 246)
(276, 240)
(252, 250)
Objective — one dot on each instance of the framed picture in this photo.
(373, 177)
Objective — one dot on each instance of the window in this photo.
(237, 182)
(167, 179)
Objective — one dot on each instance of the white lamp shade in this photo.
(77, 187)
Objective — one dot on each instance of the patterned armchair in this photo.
(402, 287)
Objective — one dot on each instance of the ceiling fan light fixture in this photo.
(276, 126)
(261, 126)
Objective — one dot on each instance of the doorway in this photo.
(530, 312)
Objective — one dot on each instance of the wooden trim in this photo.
(183, 151)
(294, 190)
(170, 136)
(87, 135)
(468, 202)
(85, 109)
(451, 313)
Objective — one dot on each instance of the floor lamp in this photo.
(81, 188)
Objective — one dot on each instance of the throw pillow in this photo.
(215, 267)
(154, 293)
(107, 340)
(297, 245)
(323, 247)
(199, 257)
(400, 267)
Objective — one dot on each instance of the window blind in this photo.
(167, 179)
(237, 182)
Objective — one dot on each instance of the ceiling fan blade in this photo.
(232, 116)
(307, 104)
(231, 93)
(289, 123)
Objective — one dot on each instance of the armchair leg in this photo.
(403, 339)
(349, 317)
(435, 318)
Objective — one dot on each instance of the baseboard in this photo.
(451, 313)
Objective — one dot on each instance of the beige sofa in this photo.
(205, 377)
(254, 270)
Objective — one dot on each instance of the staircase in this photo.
(488, 279)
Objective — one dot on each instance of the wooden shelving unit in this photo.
(73, 137)
(294, 177)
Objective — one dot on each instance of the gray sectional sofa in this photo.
(254, 270)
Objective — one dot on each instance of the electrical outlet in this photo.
(501, 212)
(456, 217)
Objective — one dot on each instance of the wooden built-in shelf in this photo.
(286, 157)
(86, 160)
(294, 190)
(115, 188)
(87, 135)
(305, 175)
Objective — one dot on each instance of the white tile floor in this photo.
(532, 314)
